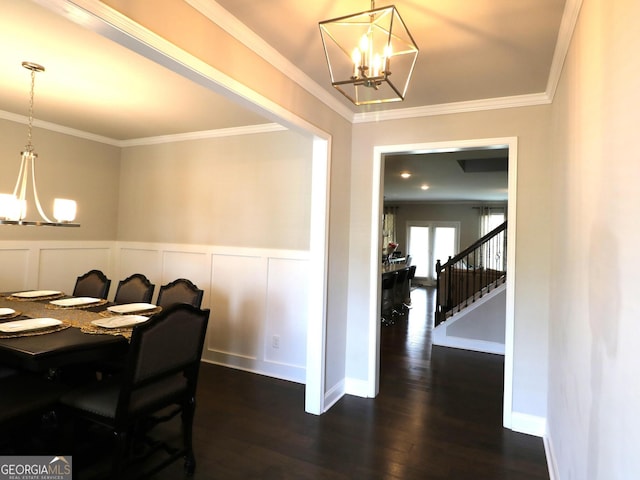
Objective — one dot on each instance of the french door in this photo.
(430, 241)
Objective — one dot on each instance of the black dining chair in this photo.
(401, 291)
(94, 284)
(180, 291)
(411, 274)
(134, 289)
(161, 372)
(387, 298)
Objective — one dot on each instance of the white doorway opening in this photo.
(377, 190)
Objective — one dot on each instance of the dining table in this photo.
(62, 331)
(393, 267)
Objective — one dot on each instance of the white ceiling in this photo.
(470, 51)
(95, 85)
(483, 178)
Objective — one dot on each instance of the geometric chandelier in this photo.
(13, 207)
(371, 55)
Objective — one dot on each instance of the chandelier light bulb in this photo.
(358, 49)
(64, 210)
(11, 208)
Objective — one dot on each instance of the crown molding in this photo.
(219, 133)
(565, 34)
(242, 33)
(100, 18)
(238, 30)
(217, 14)
(179, 137)
(457, 107)
(54, 127)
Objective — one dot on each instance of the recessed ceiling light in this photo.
(405, 174)
(424, 187)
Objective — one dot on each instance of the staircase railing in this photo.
(471, 274)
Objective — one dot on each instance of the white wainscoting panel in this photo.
(146, 260)
(14, 274)
(51, 265)
(60, 266)
(238, 300)
(286, 318)
(194, 266)
(253, 299)
(254, 294)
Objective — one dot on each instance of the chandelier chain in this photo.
(29, 146)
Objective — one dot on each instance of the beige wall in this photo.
(530, 125)
(67, 167)
(242, 191)
(468, 214)
(594, 386)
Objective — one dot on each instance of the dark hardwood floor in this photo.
(438, 416)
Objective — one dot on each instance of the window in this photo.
(490, 218)
(389, 226)
(493, 255)
(431, 241)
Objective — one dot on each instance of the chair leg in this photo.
(121, 452)
(188, 413)
(388, 319)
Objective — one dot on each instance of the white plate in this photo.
(131, 308)
(6, 311)
(120, 321)
(36, 293)
(30, 324)
(74, 302)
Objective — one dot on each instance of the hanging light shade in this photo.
(13, 207)
(371, 55)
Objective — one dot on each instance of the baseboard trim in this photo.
(529, 424)
(440, 338)
(358, 388)
(554, 474)
(537, 426)
(333, 395)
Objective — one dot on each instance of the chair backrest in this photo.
(402, 276)
(179, 291)
(94, 283)
(389, 281)
(134, 289)
(412, 272)
(163, 361)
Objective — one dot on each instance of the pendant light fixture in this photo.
(13, 207)
(371, 55)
